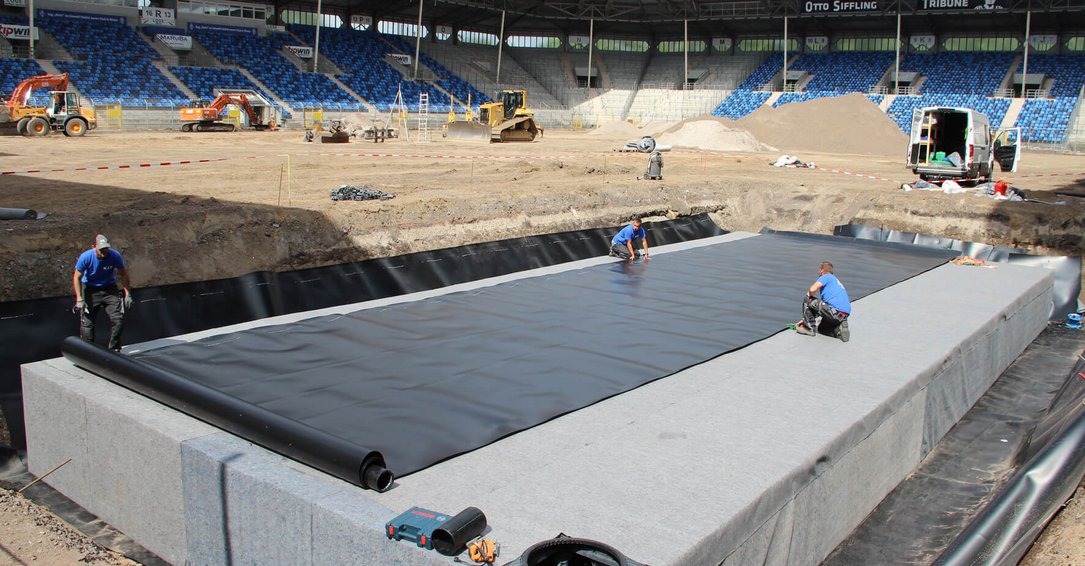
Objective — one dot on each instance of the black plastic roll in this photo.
(19, 214)
(293, 439)
(564, 549)
(451, 538)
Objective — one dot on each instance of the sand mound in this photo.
(616, 129)
(656, 127)
(711, 133)
(844, 124)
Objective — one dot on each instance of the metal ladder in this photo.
(423, 117)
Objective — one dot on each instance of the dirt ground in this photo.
(263, 204)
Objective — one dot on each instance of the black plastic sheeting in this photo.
(1005, 467)
(1067, 270)
(33, 330)
(1054, 466)
(418, 382)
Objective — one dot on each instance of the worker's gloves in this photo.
(81, 307)
(127, 302)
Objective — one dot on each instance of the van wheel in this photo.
(75, 127)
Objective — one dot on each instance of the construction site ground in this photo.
(261, 202)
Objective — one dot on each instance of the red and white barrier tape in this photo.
(435, 156)
(115, 167)
(849, 173)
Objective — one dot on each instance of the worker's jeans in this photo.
(830, 317)
(620, 250)
(112, 300)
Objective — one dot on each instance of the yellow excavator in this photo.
(507, 119)
(64, 112)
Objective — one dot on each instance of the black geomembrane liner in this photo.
(422, 381)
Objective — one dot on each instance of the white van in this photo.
(957, 143)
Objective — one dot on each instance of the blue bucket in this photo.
(1073, 320)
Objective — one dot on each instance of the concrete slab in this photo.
(771, 453)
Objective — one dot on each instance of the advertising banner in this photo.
(817, 43)
(1043, 42)
(360, 21)
(840, 6)
(15, 3)
(403, 59)
(721, 43)
(921, 43)
(933, 5)
(18, 33)
(176, 42)
(444, 30)
(578, 41)
(149, 16)
(80, 16)
(215, 27)
(276, 28)
(301, 51)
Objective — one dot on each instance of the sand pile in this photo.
(711, 133)
(844, 124)
(617, 129)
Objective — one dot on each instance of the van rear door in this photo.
(1007, 149)
(917, 133)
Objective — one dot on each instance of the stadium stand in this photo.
(959, 72)
(14, 71)
(204, 80)
(1044, 120)
(843, 71)
(478, 65)
(447, 79)
(902, 107)
(262, 57)
(1065, 71)
(114, 62)
(740, 103)
(360, 54)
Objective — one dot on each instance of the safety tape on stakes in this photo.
(435, 156)
(117, 167)
(850, 174)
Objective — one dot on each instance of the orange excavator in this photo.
(64, 111)
(205, 117)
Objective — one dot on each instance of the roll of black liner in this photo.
(347, 461)
(451, 538)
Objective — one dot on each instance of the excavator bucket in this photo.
(472, 130)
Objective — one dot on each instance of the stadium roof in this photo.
(668, 18)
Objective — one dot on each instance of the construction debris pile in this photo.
(364, 192)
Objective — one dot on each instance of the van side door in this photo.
(1007, 149)
(916, 138)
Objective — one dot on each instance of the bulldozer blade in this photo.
(468, 131)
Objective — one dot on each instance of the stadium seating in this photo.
(203, 80)
(263, 58)
(1067, 70)
(769, 69)
(14, 71)
(900, 111)
(789, 97)
(740, 103)
(959, 72)
(1044, 120)
(449, 81)
(360, 55)
(843, 71)
(114, 62)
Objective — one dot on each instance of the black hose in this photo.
(451, 538)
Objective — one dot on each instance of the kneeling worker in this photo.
(622, 245)
(827, 298)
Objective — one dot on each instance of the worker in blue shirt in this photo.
(623, 244)
(827, 298)
(97, 272)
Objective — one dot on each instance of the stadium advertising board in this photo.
(275, 28)
(15, 3)
(1043, 42)
(176, 42)
(934, 5)
(722, 44)
(18, 33)
(301, 51)
(402, 58)
(192, 26)
(81, 17)
(840, 6)
(361, 21)
(157, 17)
(922, 43)
(817, 43)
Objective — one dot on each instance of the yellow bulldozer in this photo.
(507, 119)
